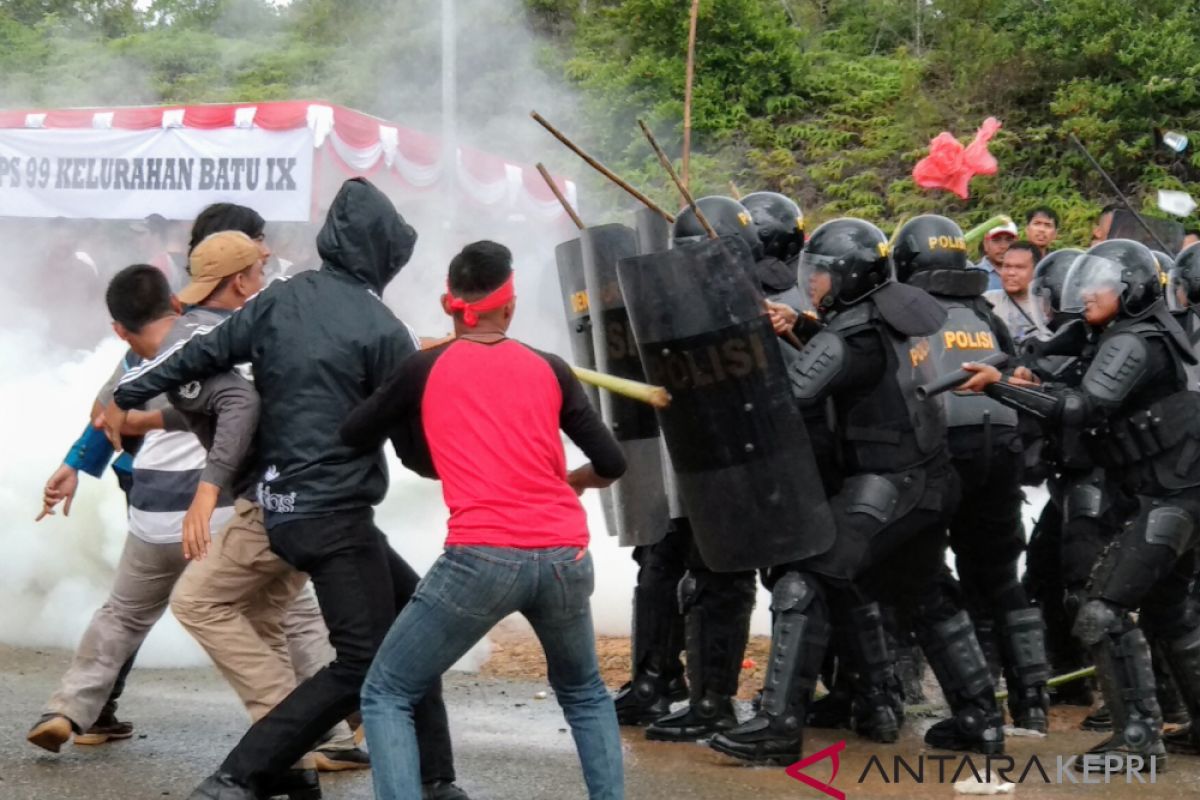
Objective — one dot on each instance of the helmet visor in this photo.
(1043, 304)
(1089, 279)
(1177, 291)
(817, 277)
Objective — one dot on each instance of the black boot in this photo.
(1126, 676)
(294, 784)
(1099, 721)
(718, 627)
(1170, 699)
(834, 710)
(1183, 659)
(658, 639)
(799, 637)
(223, 786)
(961, 669)
(878, 705)
(1023, 646)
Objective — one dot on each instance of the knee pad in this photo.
(1097, 619)
(793, 592)
(1170, 526)
(1083, 499)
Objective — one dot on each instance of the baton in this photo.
(948, 382)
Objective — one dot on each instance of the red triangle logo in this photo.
(797, 770)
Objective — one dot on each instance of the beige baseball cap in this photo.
(217, 257)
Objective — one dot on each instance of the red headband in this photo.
(471, 309)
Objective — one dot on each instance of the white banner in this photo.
(175, 172)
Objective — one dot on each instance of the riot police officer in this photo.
(986, 532)
(716, 606)
(1068, 536)
(1141, 423)
(1183, 293)
(892, 507)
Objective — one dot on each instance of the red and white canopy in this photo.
(285, 159)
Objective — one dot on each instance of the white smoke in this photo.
(57, 572)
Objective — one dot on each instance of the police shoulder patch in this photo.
(190, 391)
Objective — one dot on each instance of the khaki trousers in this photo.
(255, 616)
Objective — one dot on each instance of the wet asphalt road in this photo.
(509, 746)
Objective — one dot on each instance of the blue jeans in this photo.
(466, 592)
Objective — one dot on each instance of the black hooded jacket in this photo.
(320, 343)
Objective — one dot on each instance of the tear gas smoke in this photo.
(56, 351)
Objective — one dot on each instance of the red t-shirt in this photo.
(485, 419)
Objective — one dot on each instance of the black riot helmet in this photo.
(928, 242)
(1122, 266)
(779, 221)
(844, 261)
(1183, 281)
(727, 216)
(1047, 286)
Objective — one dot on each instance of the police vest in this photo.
(888, 429)
(966, 337)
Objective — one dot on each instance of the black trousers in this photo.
(361, 584)
(987, 534)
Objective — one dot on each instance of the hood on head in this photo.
(364, 236)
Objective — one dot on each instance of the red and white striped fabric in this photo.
(362, 145)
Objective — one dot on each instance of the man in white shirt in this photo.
(1012, 302)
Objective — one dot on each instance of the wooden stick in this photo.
(687, 90)
(603, 170)
(656, 396)
(558, 193)
(733, 188)
(683, 190)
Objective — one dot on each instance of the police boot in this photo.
(657, 672)
(1023, 643)
(799, 636)
(1122, 658)
(1183, 657)
(835, 709)
(1170, 700)
(961, 669)
(878, 705)
(717, 628)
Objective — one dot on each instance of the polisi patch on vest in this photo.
(947, 243)
(919, 351)
(968, 340)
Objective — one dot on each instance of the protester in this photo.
(165, 472)
(1041, 227)
(1013, 302)
(319, 344)
(995, 245)
(483, 414)
(243, 603)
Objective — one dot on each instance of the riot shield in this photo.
(569, 256)
(1125, 226)
(741, 453)
(640, 504)
(653, 236)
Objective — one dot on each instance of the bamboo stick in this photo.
(541, 168)
(655, 396)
